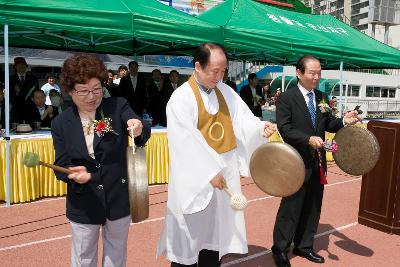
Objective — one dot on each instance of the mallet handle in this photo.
(56, 168)
(228, 191)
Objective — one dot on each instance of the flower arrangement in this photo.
(103, 126)
(324, 106)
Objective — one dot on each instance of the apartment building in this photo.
(378, 18)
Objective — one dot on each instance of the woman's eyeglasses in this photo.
(96, 91)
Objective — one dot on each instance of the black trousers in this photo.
(298, 216)
(207, 258)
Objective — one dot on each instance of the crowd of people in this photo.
(27, 105)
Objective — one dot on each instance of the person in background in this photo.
(56, 100)
(122, 72)
(200, 225)
(109, 84)
(22, 84)
(252, 95)
(169, 87)
(133, 88)
(277, 95)
(97, 190)
(333, 105)
(266, 91)
(50, 85)
(154, 91)
(40, 112)
(229, 82)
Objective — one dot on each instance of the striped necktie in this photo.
(311, 108)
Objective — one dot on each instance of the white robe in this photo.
(199, 216)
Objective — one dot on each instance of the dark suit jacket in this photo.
(165, 95)
(295, 126)
(113, 89)
(154, 102)
(231, 85)
(32, 114)
(106, 194)
(3, 115)
(247, 96)
(18, 101)
(137, 98)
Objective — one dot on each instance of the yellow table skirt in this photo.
(29, 184)
(32, 183)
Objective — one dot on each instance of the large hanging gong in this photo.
(277, 169)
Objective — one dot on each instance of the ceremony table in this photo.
(29, 184)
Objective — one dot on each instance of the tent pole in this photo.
(345, 96)
(244, 71)
(7, 113)
(341, 89)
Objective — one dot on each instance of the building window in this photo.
(384, 92)
(388, 92)
(392, 93)
(352, 90)
(370, 91)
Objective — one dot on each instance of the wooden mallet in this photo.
(32, 160)
(238, 201)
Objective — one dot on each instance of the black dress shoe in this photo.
(309, 255)
(281, 259)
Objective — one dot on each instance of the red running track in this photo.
(38, 234)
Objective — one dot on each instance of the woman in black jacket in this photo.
(90, 138)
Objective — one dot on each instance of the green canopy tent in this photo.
(129, 27)
(118, 27)
(254, 31)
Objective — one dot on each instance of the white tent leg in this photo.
(7, 111)
(341, 90)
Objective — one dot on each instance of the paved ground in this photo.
(38, 234)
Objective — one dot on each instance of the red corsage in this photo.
(103, 126)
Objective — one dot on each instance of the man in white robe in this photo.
(200, 225)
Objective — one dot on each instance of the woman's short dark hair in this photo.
(80, 68)
(122, 67)
(203, 52)
(301, 63)
(50, 75)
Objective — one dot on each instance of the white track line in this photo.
(162, 218)
(268, 251)
(35, 242)
(33, 202)
(54, 199)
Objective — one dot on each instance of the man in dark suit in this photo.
(39, 111)
(133, 88)
(154, 90)
(165, 94)
(252, 95)
(302, 124)
(22, 84)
